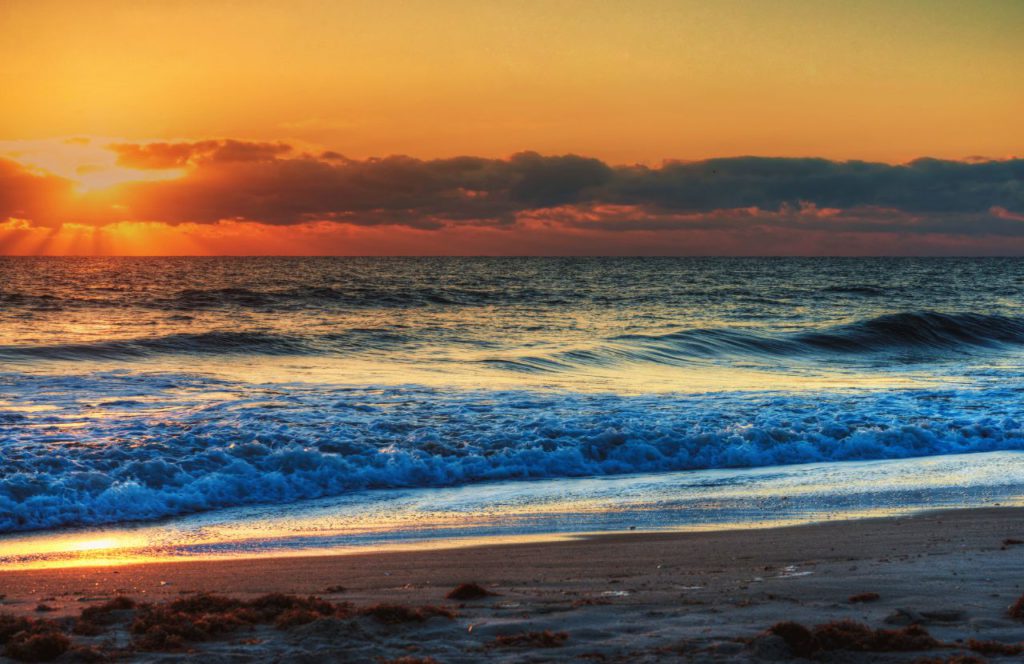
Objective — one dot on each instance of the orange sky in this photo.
(623, 82)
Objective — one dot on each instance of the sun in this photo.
(94, 177)
(87, 162)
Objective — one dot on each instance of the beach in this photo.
(634, 596)
(277, 459)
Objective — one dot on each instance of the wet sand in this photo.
(626, 597)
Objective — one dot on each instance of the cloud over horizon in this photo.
(275, 184)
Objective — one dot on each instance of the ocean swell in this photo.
(352, 296)
(220, 343)
(907, 335)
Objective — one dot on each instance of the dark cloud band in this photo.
(273, 183)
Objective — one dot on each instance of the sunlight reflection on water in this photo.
(543, 510)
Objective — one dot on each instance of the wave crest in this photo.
(304, 442)
(904, 332)
(909, 335)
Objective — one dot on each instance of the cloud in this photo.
(265, 181)
(747, 199)
(179, 155)
(806, 217)
(924, 185)
(24, 194)
(253, 182)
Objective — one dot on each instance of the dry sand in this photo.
(632, 597)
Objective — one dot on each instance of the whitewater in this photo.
(133, 391)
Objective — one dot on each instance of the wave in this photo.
(920, 330)
(404, 295)
(322, 296)
(399, 296)
(855, 289)
(912, 334)
(907, 336)
(191, 451)
(212, 343)
(128, 349)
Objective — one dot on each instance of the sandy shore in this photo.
(630, 597)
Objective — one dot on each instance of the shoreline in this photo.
(535, 511)
(620, 595)
(442, 545)
(485, 550)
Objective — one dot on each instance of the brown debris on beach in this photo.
(952, 595)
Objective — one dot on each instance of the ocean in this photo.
(169, 407)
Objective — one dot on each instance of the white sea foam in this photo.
(552, 508)
(108, 447)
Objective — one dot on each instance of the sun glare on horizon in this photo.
(87, 162)
(650, 127)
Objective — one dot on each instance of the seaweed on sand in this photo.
(466, 592)
(545, 639)
(205, 616)
(31, 639)
(1016, 610)
(995, 647)
(851, 635)
(396, 614)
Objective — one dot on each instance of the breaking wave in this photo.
(91, 458)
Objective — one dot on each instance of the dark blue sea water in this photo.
(137, 389)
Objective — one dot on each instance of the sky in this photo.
(556, 127)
